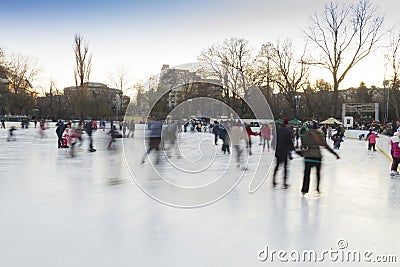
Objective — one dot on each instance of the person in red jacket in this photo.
(371, 138)
(395, 152)
(266, 135)
(249, 134)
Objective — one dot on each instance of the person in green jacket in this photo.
(311, 141)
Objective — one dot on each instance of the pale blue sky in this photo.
(143, 35)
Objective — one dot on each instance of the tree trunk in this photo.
(335, 99)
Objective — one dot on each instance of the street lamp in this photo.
(386, 90)
(297, 99)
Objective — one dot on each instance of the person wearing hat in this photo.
(395, 152)
(311, 140)
(283, 146)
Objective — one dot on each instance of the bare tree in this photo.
(289, 73)
(4, 83)
(230, 62)
(83, 66)
(188, 85)
(150, 92)
(345, 35)
(83, 60)
(393, 57)
(120, 79)
(261, 72)
(137, 106)
(22, 71)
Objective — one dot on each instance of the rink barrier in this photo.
(382, 143)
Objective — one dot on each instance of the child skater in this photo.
(337, 140)
(395, 152)
(65, 137)
(371, 138)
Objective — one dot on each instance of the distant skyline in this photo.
(141, 36)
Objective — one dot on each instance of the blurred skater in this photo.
(284, 146)
(236, 135)
(103, 125)
(59, 131)
(42, 128)
(329, 133)
(169, 136)
(249, 134)
(154, 139)
(78, 132)
(131, 128)
(311, 140)
(215, 131)
(11, 135)
(223, 135)
(113, 134)
(124, 128)
(324, 132)
(89, 132)
(266, 135)
(296, 137)
(75, 134)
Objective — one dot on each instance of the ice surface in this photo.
(87, 210)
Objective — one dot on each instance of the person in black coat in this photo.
(216, 132)
(59, 131)
(154, 139)
(284, 145)
(89, 131)
(224, 136)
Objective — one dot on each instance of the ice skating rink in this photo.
(88, 211)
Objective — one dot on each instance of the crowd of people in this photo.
(305, 141)
(235, 137)
(388, 128)
(69, 134)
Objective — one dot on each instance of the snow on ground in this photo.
(89, 211)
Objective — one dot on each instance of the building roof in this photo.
(93, 86)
